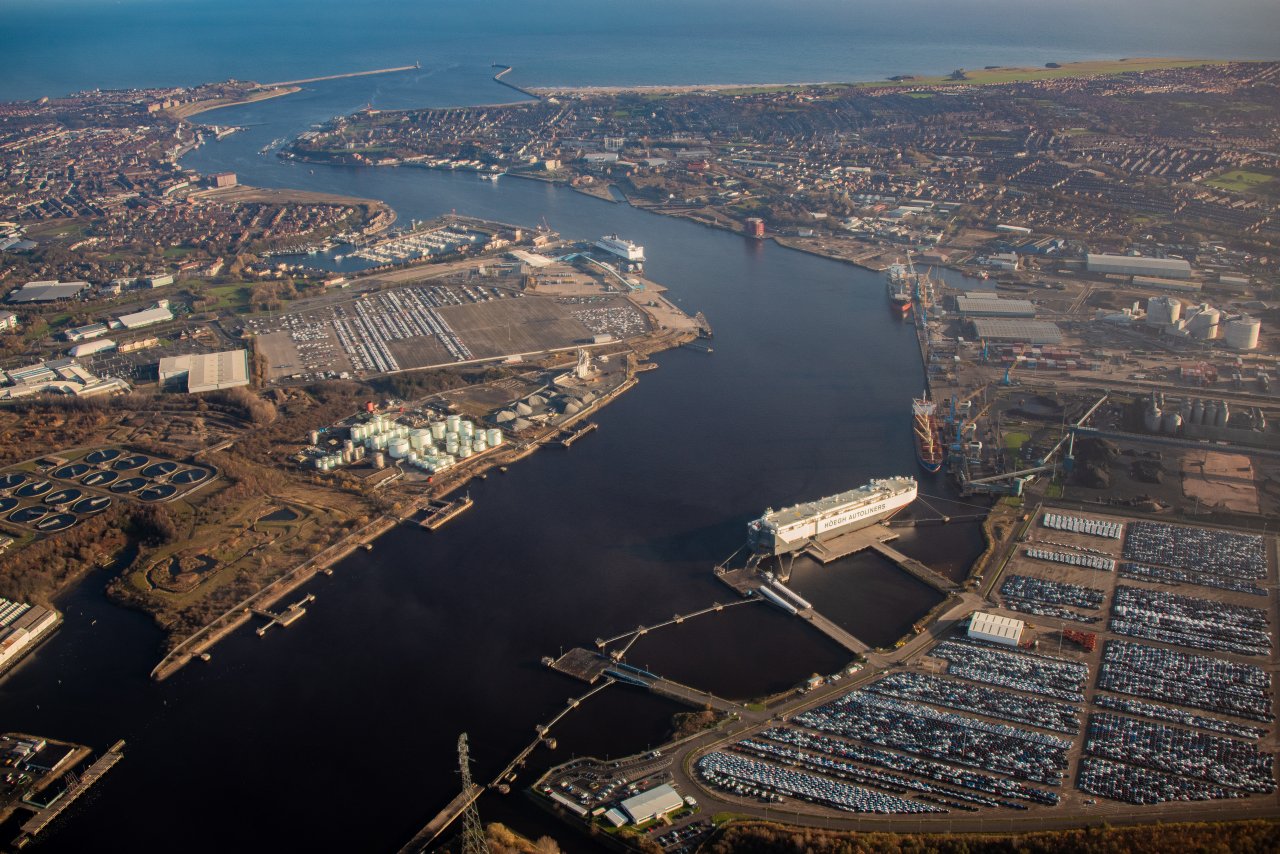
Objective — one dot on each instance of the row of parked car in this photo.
(1034, 673)
(970, 697)
(1167, 575)
(1189, 621)
(1177, 716)
(1205, 549)
(1186, 679)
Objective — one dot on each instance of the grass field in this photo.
(1015, 441)
(1090, 68)
(1239, 181)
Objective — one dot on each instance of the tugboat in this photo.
(924, 422)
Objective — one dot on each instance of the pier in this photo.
(284, 618)
(438, 512)
(568, 441)
(635, 634)
(876, 538)
(507, 69)
(43, 817)
(414, 67)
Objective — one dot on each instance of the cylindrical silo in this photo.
(1197, 412)
(1210, 414)
(1224, 414)
(1171, 422)
(1242, 333)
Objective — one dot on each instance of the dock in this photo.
(877, 538)
(443, 819)
(43, 817)
(438, 511)
(582, 664)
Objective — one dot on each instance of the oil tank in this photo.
(1224, 414)
(478, 444)
(464, 452)
(1171, 422)
(493, 437)
(315, 437)
(398, 449)
(451, 423)
(437, 430)
(1242, 333)
(466, 429)
(379, 461)
(418, 439)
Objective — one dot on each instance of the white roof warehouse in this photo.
(207, 371)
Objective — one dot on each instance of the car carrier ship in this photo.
(788, 530)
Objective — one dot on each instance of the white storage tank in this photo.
(1242, 333)
(398, 449)
(478, 444)
(451, 423)
(466, 429)
(464, 452)
(379, 461)
(437, 430)
(418, 439)
(494, 437)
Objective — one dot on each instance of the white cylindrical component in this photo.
(437, 430)
(398, 449)
(1242, 333)
(478, 444)
(379, 461)
(464, 452)
(494, 437)
(1163, 311)
(451, 423)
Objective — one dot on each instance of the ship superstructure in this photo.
(899, 287)
(792, 528)
(624, 249)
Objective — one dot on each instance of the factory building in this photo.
(1160, 284)
(1138, 265)
(8, 320)
(21, 627)
(994, 628)
(1034, 332)
(655, 803)
(989, 304)
(206, 371)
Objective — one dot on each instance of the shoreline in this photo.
(1084, 67)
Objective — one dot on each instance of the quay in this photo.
(438, 511)
(43, 817)
(877, 538)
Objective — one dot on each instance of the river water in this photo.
(339, 732)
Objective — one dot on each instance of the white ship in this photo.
(792, 528)
(624, 249)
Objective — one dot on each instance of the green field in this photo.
(1239, 181)
(1092, 68)
(1015, 441)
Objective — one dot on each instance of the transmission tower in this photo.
(473, 838)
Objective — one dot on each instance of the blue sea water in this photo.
(51, 47)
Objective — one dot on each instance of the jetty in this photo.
(284, 618)
(370, 73)
(577, 434)
(438, 511)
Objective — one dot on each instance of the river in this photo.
(339, 732)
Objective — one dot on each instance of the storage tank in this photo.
(451, 423)
(478, 444)
(1224, 413)
(315, 437)
(1204, 323)
(1171, 422)
(1197, 412)
(398, 449)
(1210, 414)
(348, 446)
(466, 429)
(1151, 417)
(464, 452)
(494, 437)
(418, 439)
(1242, 333)
(437, 430)
(1163, 311)
(379, 460)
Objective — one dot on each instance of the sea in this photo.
(339, 732)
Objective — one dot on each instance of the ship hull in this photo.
(779, 540)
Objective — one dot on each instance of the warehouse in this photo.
(1035, 332)
(994, 628)
(655, 803)
(206, 371)
(988, 304)
(146, 317)
(47, 291)
(1138, 265)
(88, 348)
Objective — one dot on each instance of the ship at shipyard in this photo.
(780, 532)
(924, 424)
(899, 288)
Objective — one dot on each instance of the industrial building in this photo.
(1138, 265)
(655, 803)
(1034, 332)
(47, 291)
(206, 371)
(8, 320)
(146, 317)
(988, 304)
(1166, 284)
(84, 333)
(994, 628)
(21, 627)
